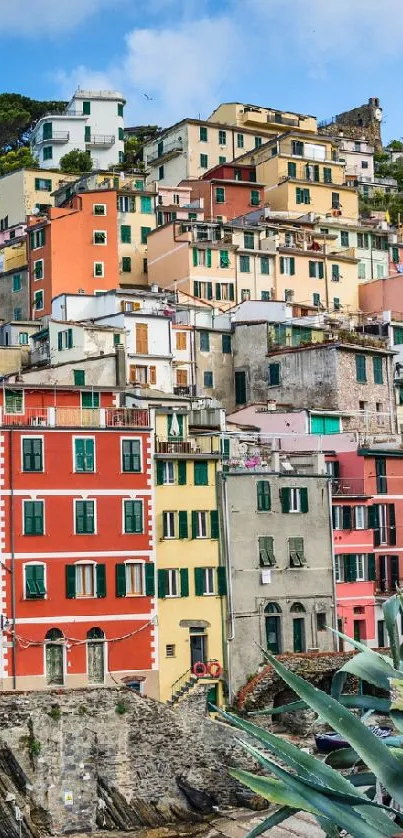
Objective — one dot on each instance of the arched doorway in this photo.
(273, 627)
(298, 627)
(54, 656)
(96, 656)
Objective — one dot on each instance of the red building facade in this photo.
(77, 546)
(228, 191)
(368, 538)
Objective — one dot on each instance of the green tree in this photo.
(18, 115)
(19, 159)
(395, 145)
(76, 161)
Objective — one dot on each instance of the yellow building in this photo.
(13, 254)
(303, 173)
(266, 120)
(191, 583)
(28, 189)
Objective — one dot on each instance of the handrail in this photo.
(186, 676)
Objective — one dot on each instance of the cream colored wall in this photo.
(34, 196)
(283, 198)
(13, 256)
(213, 149)
(168, 260)
(233, 114)
(304, 286)
(136, 250)
(12, 358)
(12, 197)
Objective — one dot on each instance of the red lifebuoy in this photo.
(214, 669)
(199, 669)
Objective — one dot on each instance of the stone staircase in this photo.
(183, 688)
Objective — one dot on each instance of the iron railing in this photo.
(348, 486)
(56, 417)
(100, 140)
(189, 676)
(191, 445)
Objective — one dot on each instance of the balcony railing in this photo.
(100, 140)
(168, 150)
(348, 486)
(55, 137)
(279, 119)
(185, 391)
(58, 417)
(191, 445)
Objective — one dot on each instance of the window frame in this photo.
(131, 439)
(339, 568)
(79, 566)
(132, 500)
(169, 515)
(33, 500)
(42, 440)
(202, 512)
(98, 275)
(35, 269)
(129, 564)
(75, 439)
(170, 574)
(39, 295)
(24, 580)
(99, 214)
(85, 500)
(209, 576)
(360, 518)
(337, 517)
(97, 233)
(295, 496)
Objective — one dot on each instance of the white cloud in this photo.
(39, 18)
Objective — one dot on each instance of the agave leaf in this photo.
(313, 801)
(329, 829)
(285, 708)
(338, 681)
(277, 817)
(342, 758)
(391, 609)
(363, 778)
(368, 668)
(272, 789)
(359, 646)
(372, 751)
(396, 717)
(396, 694)
(365, 702)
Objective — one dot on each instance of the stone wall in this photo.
(111, 758)
(357, 123)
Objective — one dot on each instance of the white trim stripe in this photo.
(25, 621)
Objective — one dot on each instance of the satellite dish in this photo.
(35, 211)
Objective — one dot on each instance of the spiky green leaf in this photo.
(371, 669)
(391, 609)
(274, 820)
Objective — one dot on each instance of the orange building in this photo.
(74, 249)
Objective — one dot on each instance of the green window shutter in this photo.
(69, 338)
(201, 473)
(263, 496)
(347, 518)
(194, 524)
(312, 269)
(371, 567)
(373, 517)
(182, 472)
(126, 233)
(377, 368)
(395, 254)
(353, 568)
(392, 524)
(161, 584)
(214, 525)
(218, 291)
(292, 169)
(394, 572)
(160, 472)
(222, 581)
(79, 454)
(100, 572)
(195, 257)
(347, 567)
(281, 264)
(209, 290)
(208, 257)
(321, 273)
(298, 195)
(360, 368)
(274, 375)
(184, 574)
(199, 581)
(164, 525)
(183, 524)
(70, 581)
(60, 341)
(304, 500)
(86, 108)
(150, 579)
(285, 499)
(120, 571)
(196, 289)
(79, 378)
(226, 344)
(231, 294)
(292, 266)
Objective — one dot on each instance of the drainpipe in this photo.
(329, 491)
(227, 560)
(12, 550)
(326, 273)
(392, 398)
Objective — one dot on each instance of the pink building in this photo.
(176, 202)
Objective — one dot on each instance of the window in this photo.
(84, 454)
(38, 269)
(17, 315)
(181, 340)
(126, 264)
(240, 387)
(99, 237)
(361, 270)
(287, 265)
(131, 455)
(32, 453)
(203, 134)
(146, 206)
(38, 300)
(377, 369)
(220, 195)
(98, 269)
(266, 551)
(14, 401)
(141, 338)
(294, 499)
(226, 344)
(168, 472)
(363, 240)
(296, 552)
(47, 152)
(23, 338)
(16, 282)
(361, 368)
(65, 339)
(263, 496)
(339, 568)
(90, 400)
(34, 581)
(125, 233)
(201, 473)
(170, 650)
(292, 169)
(249, 240)
(224, 259)
(224, 290)
(79, 378)
(86, 108)
(168, 524)
(297, 148)
(240, 140)
(327, 175)
(335, 273)
(395, 254)
(203, 161)
(397, 335)
(33, 517)
(133, 516)
(84, 517)
(344, 238)
(144, 233)
(316, 300)
(337, 517)
(381, 479)
(265, 265)
(273, 375)
(172, 583)
(126, 203)
(161, 173)
(302, 196)
(245, 294)
(255, 197)
(336, 303)
(199, 524)
(258, 142)
(321, 622)
(207, 581)
(222, 137)
(204, 342)
(120, 108)
(99, 209)
(43, 185)
(265, 296)
(360, 517)
(208, 379)
(316, 270)
(379, 272)
(244, 264)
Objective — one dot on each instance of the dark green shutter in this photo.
(70, 581)
(371, 567)
(150, 579)
(312, 273)
(353, 568)
(304, 500)
(292, 266)
(392, 524)
(208, 258)
(120, 571)
(164, 525)
(218, 291)
(194, 524)
(285, 499)
(222, 581)
(373, 517)
(281, 264)
(183, 524)
(161, 583)
(214, 526)
(333, 517)
(195, 258)
(101, 580)
(321, 273)
(182, 472)
(60, 341)
(160, 472)
(199, 581)
(209, 290)
(347, 522)
(201, 473)
(184, 574)
(394, 572)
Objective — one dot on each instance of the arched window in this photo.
(96, 655)
(272, 608)
(297, 608)
(54, 656)
(273, 627)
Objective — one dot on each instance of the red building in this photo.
(368, 538)
(76, 539)
(228, 190)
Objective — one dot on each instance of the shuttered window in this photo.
(266, 551)
(133, 516)
(377, 369)
(32, 454)
(263, 496)
(201, 473)
(131, 455)
(33, 517)
(84, 450)
(85, 521)
(296, 552)
(35, 581)
(142, 339)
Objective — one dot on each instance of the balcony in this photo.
(55, 137)
(279, 119)
(185, 391)
(100, 140)
(348, 487)
(168, 150)
(191, 446)
(75, 417)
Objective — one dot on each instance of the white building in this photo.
(359, 159)
(93, 121)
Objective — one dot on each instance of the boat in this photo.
(328, 742)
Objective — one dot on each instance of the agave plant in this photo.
(351, 801)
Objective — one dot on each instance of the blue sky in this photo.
(311, 56)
